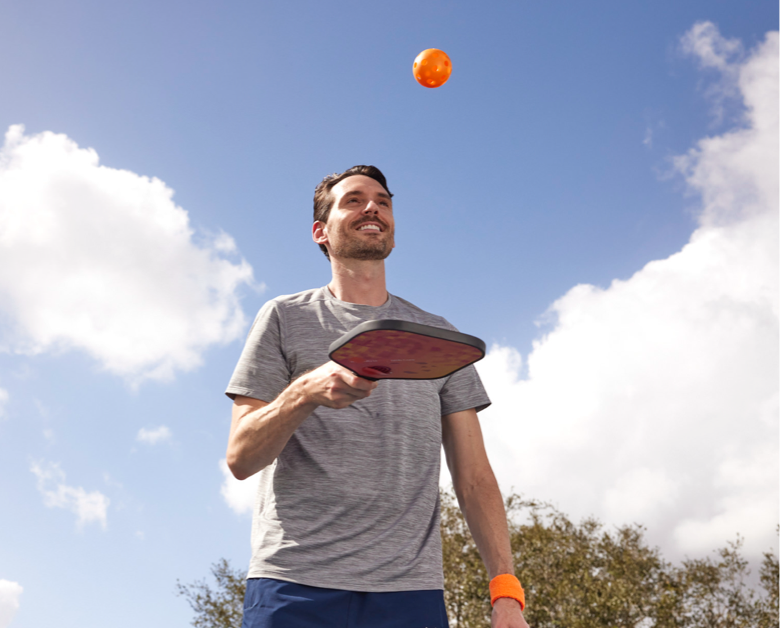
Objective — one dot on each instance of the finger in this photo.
(363, 383)
(356, 393)
(351, 376)
(355, 382)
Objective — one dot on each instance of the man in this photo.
(346, 524)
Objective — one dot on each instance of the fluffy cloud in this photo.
(88, 507)
(102, 260)
(10, 592)
(153, 436)
(239, 495)
(655, 400)
(3, 401)
(714, 52)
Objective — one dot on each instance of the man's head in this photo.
(353, 214)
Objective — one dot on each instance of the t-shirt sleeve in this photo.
(463, 390)
(262, 371)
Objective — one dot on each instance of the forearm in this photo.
(261, 435)
(483, 507)
(259, 431)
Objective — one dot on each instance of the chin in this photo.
(372, 255)
(364, 253)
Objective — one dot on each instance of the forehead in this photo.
(358, 183)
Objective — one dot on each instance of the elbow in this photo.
(234, 463)
(469, 484)
(242, 468)
(240, 474)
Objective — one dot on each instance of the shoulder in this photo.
(419, 315)
(294, 301)
(285, 307)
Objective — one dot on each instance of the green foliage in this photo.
(580, 576)
(768, 605)
(574, 575)
(221, 607)
(715, 591)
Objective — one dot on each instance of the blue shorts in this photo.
(273, 603)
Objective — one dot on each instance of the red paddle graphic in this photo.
(391, 349)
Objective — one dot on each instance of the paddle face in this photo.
(389, 349)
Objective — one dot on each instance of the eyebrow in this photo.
(361, 193)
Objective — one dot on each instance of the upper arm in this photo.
(262, 370)
(464, 448)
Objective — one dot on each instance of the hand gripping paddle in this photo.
(390, 349)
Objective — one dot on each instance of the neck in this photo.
(358, 281)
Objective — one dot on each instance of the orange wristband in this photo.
(506, 585)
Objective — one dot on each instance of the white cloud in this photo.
(10, 592)
(239, 495)
(3, 401)
(103, 261)
(153, 436)
(88, 507)
(714, 52)
(711, 49)
(638, 494)
(656, 399)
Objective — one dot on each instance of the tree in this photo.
(715, 591)
(221, 607)
(768, 606)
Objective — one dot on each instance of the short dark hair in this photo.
(323, 199)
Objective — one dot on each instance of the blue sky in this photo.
(568, 150)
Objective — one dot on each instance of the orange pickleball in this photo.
(432, 68)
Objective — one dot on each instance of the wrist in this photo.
(507, 603)
(507, 586)
(301, 395)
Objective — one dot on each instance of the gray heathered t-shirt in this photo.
(352, 502)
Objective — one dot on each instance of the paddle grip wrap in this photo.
(506, 585)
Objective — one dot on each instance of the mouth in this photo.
(371, 227)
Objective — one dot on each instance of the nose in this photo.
(371, 208)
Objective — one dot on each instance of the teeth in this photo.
(365, 227)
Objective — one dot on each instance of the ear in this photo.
(319, 232)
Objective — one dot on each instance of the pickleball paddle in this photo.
(391, 349)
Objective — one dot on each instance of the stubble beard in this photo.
(349, 246)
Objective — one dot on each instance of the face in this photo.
(360, 225)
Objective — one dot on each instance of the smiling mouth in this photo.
(372, 227)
